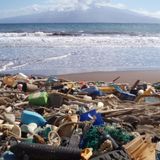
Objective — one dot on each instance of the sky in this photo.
(10, 8)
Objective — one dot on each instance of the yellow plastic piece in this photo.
(107, 89)
(110, 89)
(149, 91)
(9, 81)
(86, 153)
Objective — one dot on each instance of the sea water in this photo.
(73, 48)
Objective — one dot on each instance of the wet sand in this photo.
(125, 76)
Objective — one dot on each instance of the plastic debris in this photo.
(50, 118)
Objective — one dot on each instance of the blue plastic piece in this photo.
(124, 95)
(8, 156)
(89, 115)
(92, 90)
(28, 117)
(52, 79)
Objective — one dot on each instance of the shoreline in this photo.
(127, 76)
(130, 77)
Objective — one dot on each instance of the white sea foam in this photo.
(19, 66)
(98, 41)
(6, 66)
(56, 58)
(33, 62)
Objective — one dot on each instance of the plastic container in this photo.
(29, 128)
(28, 117)
(89, 116)
(39, 98)
(55, 100)
(10, 81)
(92, 91)
(21, 76)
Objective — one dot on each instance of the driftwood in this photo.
(20, 104)
(68, 96)
(115, 110)
(135, 84)
(39, 80)
(5, 100)
(1, 92)
(116, 79)
(122, 113)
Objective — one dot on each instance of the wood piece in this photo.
(135, 84)
(1, 92)
(20, 104)
(119, 113)
(39, 80)
(114, 110)
(116, 79)
(141, 148)
(68, 96)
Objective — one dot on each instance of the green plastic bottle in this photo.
(39, 98)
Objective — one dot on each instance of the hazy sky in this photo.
(10, 8)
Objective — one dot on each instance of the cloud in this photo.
(113, 5)
(66, 5)
(54, 5)
(71, 5)
(35, 8)
(142, 11)
(83, 4)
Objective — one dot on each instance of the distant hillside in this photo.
(96, 15)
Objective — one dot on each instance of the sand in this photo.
(125, 76)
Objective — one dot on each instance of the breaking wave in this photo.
(80, 33)
(102, 41)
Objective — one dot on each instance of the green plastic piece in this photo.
(39, 99)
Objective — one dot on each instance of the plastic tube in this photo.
(45, 152)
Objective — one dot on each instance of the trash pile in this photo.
(46, 118)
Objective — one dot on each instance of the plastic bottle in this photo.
(158, 151)
(21, 76)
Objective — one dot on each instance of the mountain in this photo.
(95, 15)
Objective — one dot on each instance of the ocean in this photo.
(73, 48)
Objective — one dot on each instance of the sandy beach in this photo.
(125, 76)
